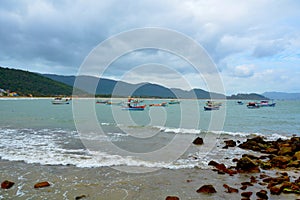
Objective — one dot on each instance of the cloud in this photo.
(55, 37)
(269, 48)
(243, 71)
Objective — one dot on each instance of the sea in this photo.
(75, 144)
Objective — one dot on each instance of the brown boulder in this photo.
(80, 197)
(271, 150)
(7, 184)
(42, 184)
(295, 163)
(245, 164)
(246, 194)
(198, 141)
(207, 189)
(280, 161)
(230, 189)
(263, 194)
(230, 143)
(283, 151)
(172, 198)
(297, 155)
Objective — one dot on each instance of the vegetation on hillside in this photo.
(252, 96)
(27, 83)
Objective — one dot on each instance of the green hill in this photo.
(26, 83)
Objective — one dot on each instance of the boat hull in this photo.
(208, 108)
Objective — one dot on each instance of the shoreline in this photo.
(69, 182)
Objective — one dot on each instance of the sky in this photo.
(254, 45)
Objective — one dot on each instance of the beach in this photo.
(46, 146)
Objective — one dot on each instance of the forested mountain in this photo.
(27, 83)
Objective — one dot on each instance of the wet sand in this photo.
(69, 182)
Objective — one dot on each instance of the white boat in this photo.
(59, 101)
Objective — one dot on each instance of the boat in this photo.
(159, 104)
(240, 103)
(113, 103)
(174, 102)
(102, 102)
(131, 104)
(265, 103)
(60, 101)
(207, 108)
(213, 104)
(134, 107)
(252, 105)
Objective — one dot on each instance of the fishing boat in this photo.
(208, 108)
(252, 105)
(174, 102)
(213, 104)
(61, 101)
(113, 103)
(265, 103)
(138, 108)
(159, 104)
(102, 102)
(131, 104)
(240, 103)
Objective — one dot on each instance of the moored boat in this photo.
(174, 102)
(240, 103)
(102, 102)
(252, 105)
(265, 103)
(159, 104)
(131, 104)
(207, 108)
(61, 101)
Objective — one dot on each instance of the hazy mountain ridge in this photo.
(282, 95)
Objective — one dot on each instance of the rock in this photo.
(280, 161)
(222, 168)
(42, 184)
(265, 165)
(230, 143)
(246, 194)
(297, 155)
(7, 184)
(271, 150)
(263, 194)
(230, 189)
(213, 163)
(244, 187)
(198, 141)
(247, 183)
(245, 164)
(283, 151)
(252, 157)
(207, 189)
(295, 163)
(80, 197)
(253, 179)
(277, 189)
(172, 198)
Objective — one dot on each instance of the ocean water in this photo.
(87, 149)
(85, 134)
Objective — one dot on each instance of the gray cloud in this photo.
(55, 37)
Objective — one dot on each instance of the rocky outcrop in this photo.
(246, 165)
(198, 141)
(172, 198)
(42, 184)
(207, 189)
(7, 184)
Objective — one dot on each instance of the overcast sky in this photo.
(254, 44)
